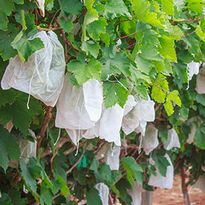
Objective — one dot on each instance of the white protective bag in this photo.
(103, 193)
(200, 183)
(113, 157)
(172, 140)
(137, 118)
(150, 140)
(109, 125)
(28, 148)
(79, 108)
(42, 75)
(136, 194)
(41, 6)
(193, 69)
(200, 83)
(161, 181)
(129, 105)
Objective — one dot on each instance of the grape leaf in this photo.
(6, 7)
(115, 8)
(6, 50)
(71, 7)
(133, 170)
(168, 6)
(199, 137)
(96, 28)
(172, 98)
(167, 49)
(26, 47)
(9, 149)
(27, 176)
(160, 89)
(19, 114)
(114, 93)
(83, 71)
(93, 197)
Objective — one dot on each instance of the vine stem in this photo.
(184, 188)
(75, 164)
(44, 126)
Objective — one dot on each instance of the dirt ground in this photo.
(175, 197)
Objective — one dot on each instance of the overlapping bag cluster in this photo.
(80, 109)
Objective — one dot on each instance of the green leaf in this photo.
(67, 25)
(116, 64)
(71, 7)
(200, 99)
(196, 5)
(167, 49)
(161, 162)
(91, 48)
(116, 8)
(115, 93)
(19, 114)
(142, 10)
(6, 7)
(160, 89)
(3, 22)
(172, 99)
(93, 197)
(91, 16)
(19, 2)
(29, 180)
(199, 138)
(133, 170)
(84, 72)
(65, 191)
(96, 28)
(200, 33)
(168, 6)
(6, 50)
(9, 149)
(5, 199)
(26, 47)
(45, 196)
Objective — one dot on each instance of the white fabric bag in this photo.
(137, 118)
(161, 181)
(191, 135)
(41, 6)
(113, 157)
(28, 148)
(79, 107)
(109, 125)
(103, 193)
(136, 194)
(172, 141)
(150, 140)
(42, 75)
(93, 97)
(200, 183)
(129, 105)
(200, 83)
(193, 69)
(145, 110)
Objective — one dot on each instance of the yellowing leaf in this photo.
(160, 89)
(167, 49)
(200, 33)
(168, 6)
(171, 100)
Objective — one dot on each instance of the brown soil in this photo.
(174, 196)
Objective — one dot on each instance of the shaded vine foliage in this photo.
(139, 47)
